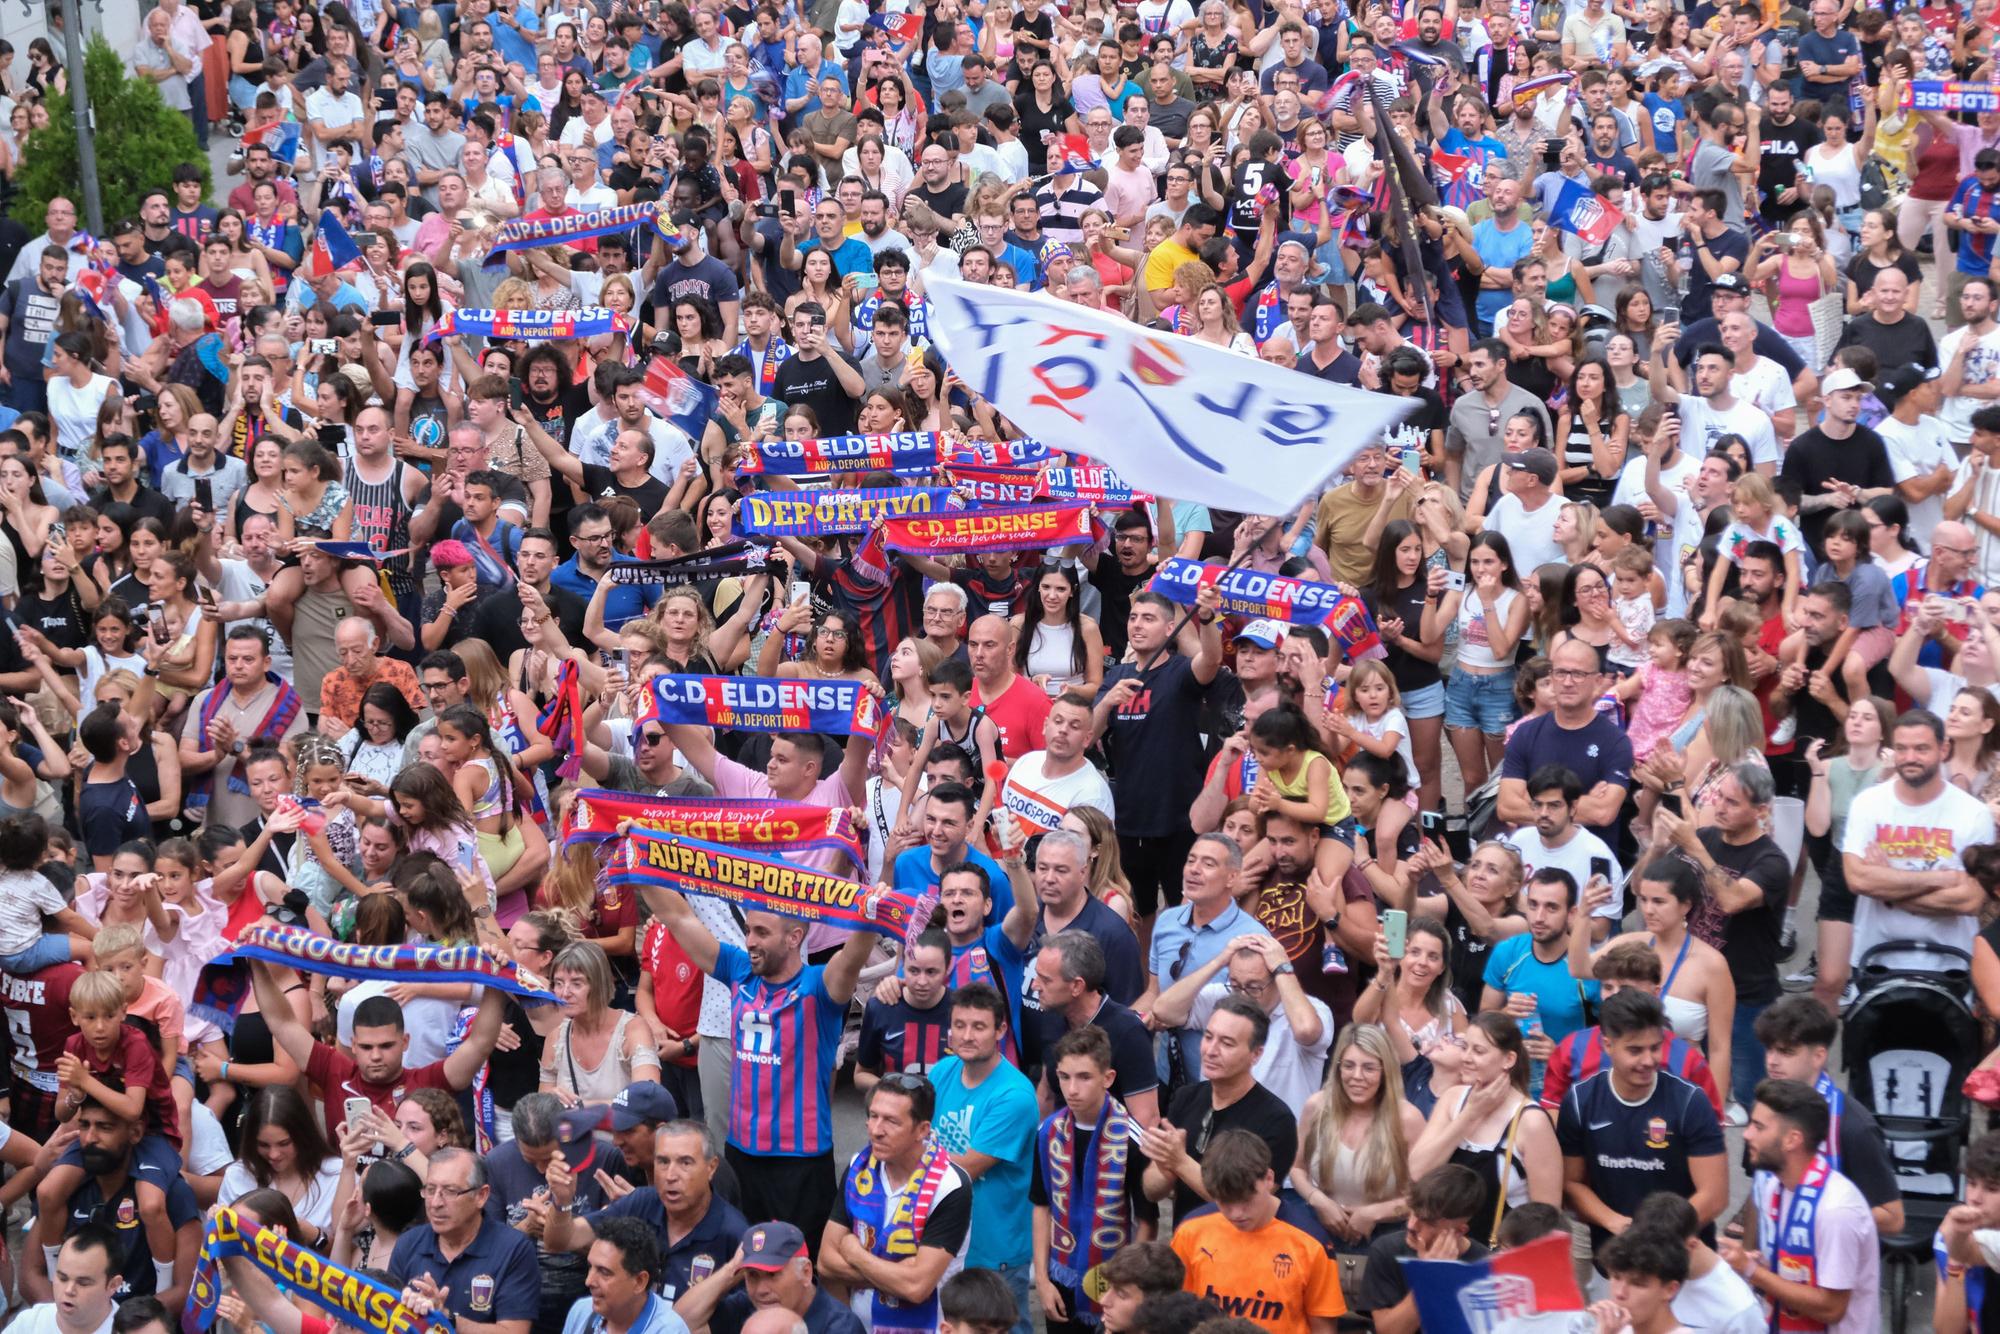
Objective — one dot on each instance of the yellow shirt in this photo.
(1298, 789)
(1160, 265)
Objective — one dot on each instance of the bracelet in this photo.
(223, 1073)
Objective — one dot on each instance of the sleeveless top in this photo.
(253, 54)
(489, 803)
(1049, 653)
(1495, 1175)
(605, 1080)
(382, 520)
(1838, 172)
(1576, 454)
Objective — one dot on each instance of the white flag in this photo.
(1172, 415)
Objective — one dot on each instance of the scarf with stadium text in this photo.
(296, 947)
(997, 486)
(997, 528)
(770, 704)
(1092, 482)
(998, 453)
(764, 884)
(754, 822)
(820, 513)
(889, 1227)
(1090, 1220)
(284, 708)
(346, 1295)
(730, 560)
(903, 451)
(1791, 1237)
(534, 233)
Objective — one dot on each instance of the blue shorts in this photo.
(1482, 702)
(154, 1161)
(1427, 702)
(44, 953)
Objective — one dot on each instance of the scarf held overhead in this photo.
(1001, 528)
(756, 822)
(347, 1296)
(730, 560)
(769, 704)
(534, 233)
(530, 326)
(296, 947)
(902, 451)
(821, 513)
(764, 884)
(1247, 592)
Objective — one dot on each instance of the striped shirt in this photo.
(787, 1041)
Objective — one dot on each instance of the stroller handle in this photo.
(1914, 947)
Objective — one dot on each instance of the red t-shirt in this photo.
(1019, 714)
(676, 984)
(38, 1005)
(136, 1065)
(1769, 640)
(338, 1078)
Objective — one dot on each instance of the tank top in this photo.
(1474, 647)
(1502, 1173)
(253, 54)
(1576, 454)
(1839, 172)
(1793, 315)
(604, 1081)
(1049, 654)
(382, 520)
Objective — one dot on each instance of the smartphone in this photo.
(332, 435)
(355, 1109)
(1413, 462)
(625, 661)
(513, 395)
(801, 591)
(1395, 930)
(1454, 581)
(58, 532)
(385, 319)
(788, 201)
(156, 625)
(323, 347)
(1671, 801)
(1432, 822)
(1600, 866)
(767, 210)
(1670, 315)
(204, 494)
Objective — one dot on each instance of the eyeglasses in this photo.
(1572, 674)
(447, 1192)
(902, 1081)
(604, 536)
(832, 632)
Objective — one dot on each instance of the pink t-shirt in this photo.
(1128, 193)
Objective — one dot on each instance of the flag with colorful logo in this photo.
(1581, 210)
(900, 27)
(678, 398)
(1528, 1290)
(280, 136)
(333, 249)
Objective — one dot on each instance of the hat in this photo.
(1264, 634)
(1537, 461)
(769, 1247)
(449, 553)
(639, 1103)
(579, 1123)
(1730, 282)
(352, 551)
(1844, 378)
(1892, 388)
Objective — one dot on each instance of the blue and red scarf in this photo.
(1791, 1237)
(767, 370)
(286, 707)
(889, 1228)
(1090, 1216)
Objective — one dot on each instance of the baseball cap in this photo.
(639, 1103)
(769, 1247)
(1844, 378)
(1262, 633)
(1729, 282)
(450, 552)
(1892, 387)
(1537, 461)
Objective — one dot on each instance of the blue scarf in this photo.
(767, 370)
(1836, 1102)
(1790, 1241)
(1090, 1219)
(890, 1229)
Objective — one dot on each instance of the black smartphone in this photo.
(514, 395)
(788, 201)
(1671, 801)
(385, 319)
(1600, 866)
(767, 210)
(332, 435)
(204, 493)
(1432, 822)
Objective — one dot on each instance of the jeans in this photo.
(46, 952)
(198, 107)
(408, 15)
(1021, 1286)
(242, 93)
(1746, 1054)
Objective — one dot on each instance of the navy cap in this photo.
(639, 1103)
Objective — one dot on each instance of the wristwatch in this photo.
(403, 1154)
(1285, 967)
(687, 1046)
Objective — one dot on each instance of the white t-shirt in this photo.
(1286, 1066)
(1672, 538)
(74, 411)
(1392, 720)
(42, 1320)
(1847, 1254)
(1041, 801)
(1702, 425)
(1720, 1302)
(1945, 687)
(240, 583)
(1929, 837)
(25, 898)
(1764, 386)
(1574, 856)
(1917, 451)
(209, 1151)
(1530, 534)
(315, 1206)
(1982, 366)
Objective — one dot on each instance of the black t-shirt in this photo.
(1597, 752)
(902, 1037)
(1383, 1283)
(496, 618)
(1814, 458)
(145, 501)
(826, 1315)
(1035, 122)
(813, 383)
(1750, 937)
(1861, 270)
(1909, 340)
(1468, 955)
(1780, 151)
(1155, 746)
(1734, 244)
(946, 203)
(1115, 589)
(1406, 605)
(1629, 1150)
(112, 814)
(650, 495)
(57, 618)
(1260, 1111)
(1132, 1061)
(986, 595)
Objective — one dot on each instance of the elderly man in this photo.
(60, 219)
(355, 641)
(1749, 877)
(460, 1261)
(770, 1273)
(1202, 925)
(1347, 512)
(701, 1229)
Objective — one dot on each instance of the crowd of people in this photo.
(1229, 1003)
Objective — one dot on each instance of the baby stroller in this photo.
(1908, 1043)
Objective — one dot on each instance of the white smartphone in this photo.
(1453, 581)
(355, 1109)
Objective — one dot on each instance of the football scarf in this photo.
(730, 560)
(914, 452)
(889, 1228)
(645, 860)
(296, 947)
(1090, 1220)
(562, 721)
(770, 825)
(820, 513)
(534, 233)
(1836, 1103)
(283, 710)
(530, 326)
(1092, 482)
(997, 486)
(1789, 1244)
(1002, 528)
(1247, 593)
(769, 704)
(347, 1296)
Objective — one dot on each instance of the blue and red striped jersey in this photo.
(787, 1037)
(1581, 1055)
(1973, 200)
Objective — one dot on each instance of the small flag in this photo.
(678, 397)
(1581, 210)
(900, 27)
(280, 136)
(333, 248)
(1071, 152)
(94, 286)
(1463, 175)
(1512, 1288)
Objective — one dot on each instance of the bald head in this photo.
(989, 644)
(774, 1320)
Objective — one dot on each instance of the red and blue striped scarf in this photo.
(1089, 1212)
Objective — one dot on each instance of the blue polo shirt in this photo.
(625, 602)
(496, 1278)
(656, 1318)
(705, 1249)
(800, 83)
(1180, 946)
(915, 876)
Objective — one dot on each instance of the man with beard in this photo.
(699, 1228)
(1528, 975)
(1816, 699)
(1813, 1224)
(787, 1018)
(1839, 463)
(1713, 410)
(1321, 928)
(1131, 567)
(1555, 839)
(1472, 441)
(1228, 1097)
(909, 1029)
(1749, 877)
(776, 1274)
(110, 1191)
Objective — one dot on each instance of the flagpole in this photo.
(79, 104)
(1399, 202)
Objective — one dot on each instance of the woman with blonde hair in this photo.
(1732, 733)
(1353, 1167)
(595, 1051)
(1107, 869)
(1191, 279)
(593, 909)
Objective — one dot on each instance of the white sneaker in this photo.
(1736, 1116)
(1783, 733)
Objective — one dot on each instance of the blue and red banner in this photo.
(280, 136)
(999, 528)
(1481, 1296)
(764, 884)
(348, 1296)
(770, 704)
(534, 233)
(900, 27)
(1092, 482)
(1583, 211)
(530, 326)
(1247, 593)
(902, 452)
(333, 248)
(820, 513)
(296, 947)
(997, 453)
(997, 486)
(782, 827)
(1950, 96)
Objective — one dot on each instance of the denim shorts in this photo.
(1425, 703)
(1483, 702)
(47, 952)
